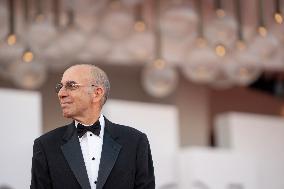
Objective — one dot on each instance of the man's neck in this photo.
(89, 120)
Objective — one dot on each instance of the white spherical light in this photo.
(119, 54)
(62, 51)
(201, 65)
(40, 34)
(159, 79)
(244, 68)
(222, 31)
(97, 48)
(117, 24)
(179, 21)
(174, 50)
(263, 46)
(28, 75)
(8, 53)
(140, 46)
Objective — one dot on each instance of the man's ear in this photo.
(98, 94)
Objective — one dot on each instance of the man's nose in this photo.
(62, 93)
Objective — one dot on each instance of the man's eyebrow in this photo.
(70, 81)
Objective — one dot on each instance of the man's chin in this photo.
(66, 115)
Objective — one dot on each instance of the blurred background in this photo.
(210, 71)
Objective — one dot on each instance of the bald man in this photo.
(91, 152)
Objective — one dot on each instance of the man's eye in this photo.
(73, 85)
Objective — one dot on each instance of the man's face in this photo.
(78, 102)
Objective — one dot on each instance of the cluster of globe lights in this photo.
(115, 36)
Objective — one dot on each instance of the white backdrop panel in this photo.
(160, 123)
(20, 125)
(260, 136)
(202, 168)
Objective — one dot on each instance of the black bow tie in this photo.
(95, 128)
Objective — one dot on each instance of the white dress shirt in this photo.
(91, 146)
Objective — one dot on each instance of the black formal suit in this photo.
(126, 161)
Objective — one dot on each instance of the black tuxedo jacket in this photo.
(126, 161)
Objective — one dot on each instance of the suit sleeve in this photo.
(144, 177)
(40, 172)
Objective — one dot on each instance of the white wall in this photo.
(20, 124)
(204, 168)
(259, 136)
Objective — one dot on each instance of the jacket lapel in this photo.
(73, 154)
(110, 151)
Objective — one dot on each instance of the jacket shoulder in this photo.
(123, 130)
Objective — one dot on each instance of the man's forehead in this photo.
(79, 68)
(76, 73)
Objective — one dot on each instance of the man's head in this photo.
(83, 90)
